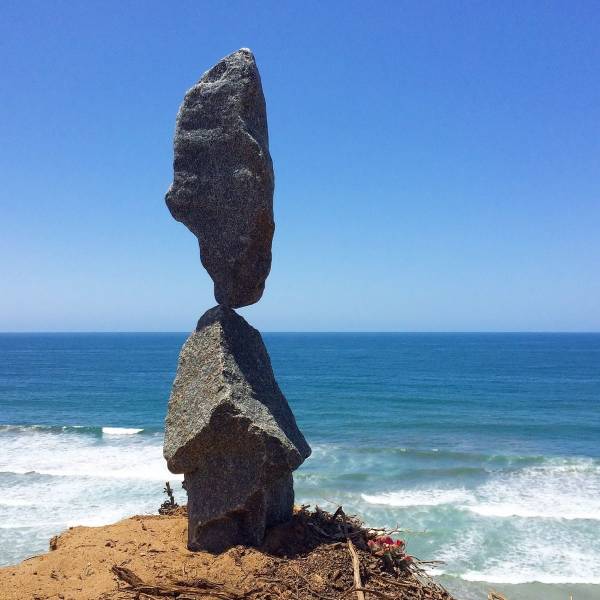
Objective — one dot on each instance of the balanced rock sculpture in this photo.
(229, 428)
(223, 182)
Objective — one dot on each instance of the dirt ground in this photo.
(145, 557)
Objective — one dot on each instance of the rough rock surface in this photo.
(230, 430)
(223, 181)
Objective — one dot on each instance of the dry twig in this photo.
(194, 589)
(360, 595)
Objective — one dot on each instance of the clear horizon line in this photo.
(328, 331)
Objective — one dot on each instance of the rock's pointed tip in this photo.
(244, 53)
(219, 312)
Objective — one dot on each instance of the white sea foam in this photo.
(543, 561)
(419, 497)
(106, 516)
(75, 455)
(506, 574)
(548, 512)
(13, 502)
(51, 479)
(120, 430)
(523, 552)
(538, 523)
(560, 489)
(145, 472)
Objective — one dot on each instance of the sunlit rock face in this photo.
(223, 180)
(230, 430)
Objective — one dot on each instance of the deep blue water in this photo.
(533, 393)
(482, 440)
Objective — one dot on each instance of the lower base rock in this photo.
(268, 506)
(230, 430)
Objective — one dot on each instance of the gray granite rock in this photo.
(230, 430)
(223, 180)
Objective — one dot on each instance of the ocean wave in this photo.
(561, 489)
(121, 430)
(509, 575)
(56, 429)
(419, 497)
(124, 453)
(77, 429)
(137, 472)
(517, 552)
(444, 472)
(9, 502)
(525, 512)
(428, 455)
(566, 489)
(421, 452)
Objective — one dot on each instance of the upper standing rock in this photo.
(223, 181)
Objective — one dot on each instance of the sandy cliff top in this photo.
(306, 558)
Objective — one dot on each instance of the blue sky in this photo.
(437, 163)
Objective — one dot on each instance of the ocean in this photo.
(484, 448)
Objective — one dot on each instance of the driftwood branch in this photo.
(375, 593)
(360, 594)
(193, 589)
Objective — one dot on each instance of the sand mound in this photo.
(146, 557)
